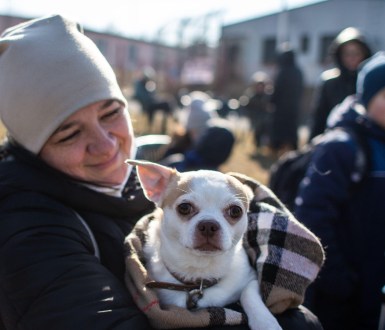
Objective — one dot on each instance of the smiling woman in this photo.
(63, 178)
(67, 198)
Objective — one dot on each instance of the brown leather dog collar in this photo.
(194, 290)
(202, 283)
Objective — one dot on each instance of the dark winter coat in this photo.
(258, 110)
(336, 83)
(286, 98)
(211, 150)
(143, 95)
(47, 256)
(48, 262)
(349, 218)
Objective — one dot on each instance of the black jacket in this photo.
(286, 98)
(47, 261)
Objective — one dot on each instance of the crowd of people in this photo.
(275, 107)
(339, 197)
(345, 209)
(68, 199)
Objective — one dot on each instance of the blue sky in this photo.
(151, 19)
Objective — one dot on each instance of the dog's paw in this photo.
(264, 324)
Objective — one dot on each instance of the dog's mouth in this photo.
(207, 246)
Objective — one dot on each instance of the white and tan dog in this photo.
(197, 243)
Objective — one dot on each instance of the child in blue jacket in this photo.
(347, 210)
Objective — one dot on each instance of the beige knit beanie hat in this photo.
(48, 70)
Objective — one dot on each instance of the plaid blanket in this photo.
(285, 254)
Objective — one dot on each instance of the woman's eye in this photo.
(111, 114)
(234, 211)
(185, 208)
(68, 137)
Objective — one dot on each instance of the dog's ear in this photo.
(248, 184)
(153, 177)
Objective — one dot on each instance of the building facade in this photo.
(249, 46)
(244, 48)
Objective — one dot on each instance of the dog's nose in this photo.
(208, 228)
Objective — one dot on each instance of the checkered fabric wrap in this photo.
(286, 255)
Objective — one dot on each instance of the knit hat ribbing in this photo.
(198, 114)
(371, 78)
(48, 70)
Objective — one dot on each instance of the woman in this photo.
(67, 200)
(348, 50)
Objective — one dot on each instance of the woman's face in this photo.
(352, 54)
(92, 144)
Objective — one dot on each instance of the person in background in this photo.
(67, 198)
(348, 50)
(256, 107)
(345, 208)
(286, 101)
(145, 93)
(204, 141)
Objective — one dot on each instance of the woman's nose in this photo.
(101, 142)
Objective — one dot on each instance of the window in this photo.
(232, 58)
(326, 41)
(232, 53)
(269, 50)
(132, 53)
(304, 43)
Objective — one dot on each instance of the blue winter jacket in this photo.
(348, 214)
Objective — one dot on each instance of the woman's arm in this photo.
(50, 278)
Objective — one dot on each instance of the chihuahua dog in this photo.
(194, 251)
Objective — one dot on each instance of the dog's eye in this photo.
(235, 211)
(185, 208)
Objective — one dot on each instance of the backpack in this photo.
(288, 171)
